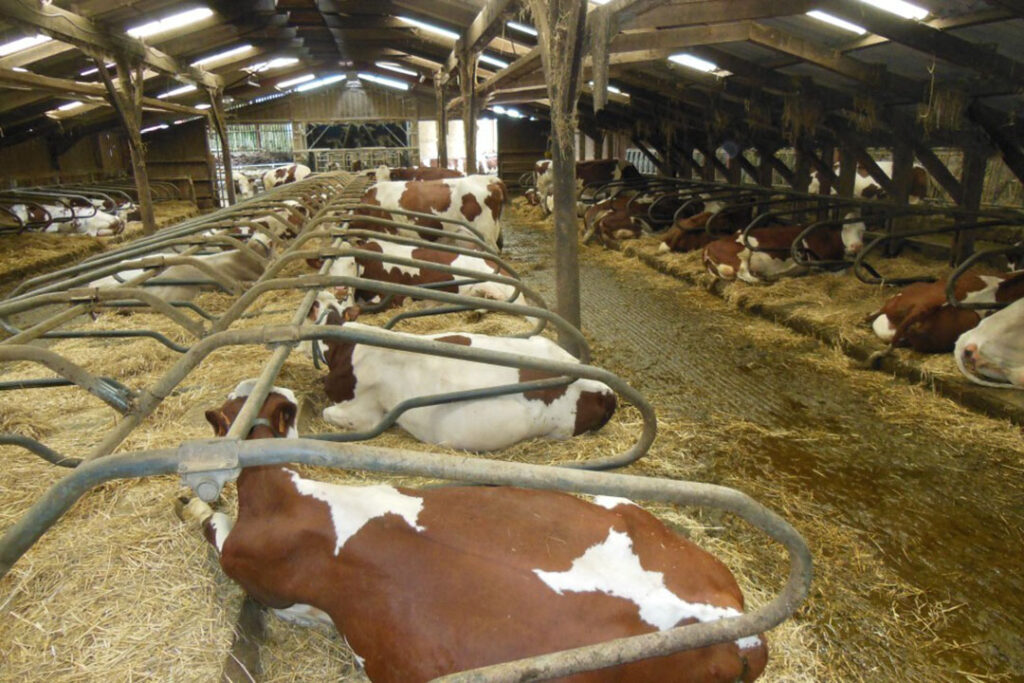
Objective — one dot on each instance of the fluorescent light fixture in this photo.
(498, 109)
(612, 88)
(320, 82)
(493, 61)
(223, 55)
(203, 105)
(388, 82)
(430, 28)
(159, 126)
(599, 2)
(692, 62)
(23, 44)
(69, 106)
(397, 69)
(177, 91)
(522, 28)
(276, 63)
(514, 113)
(19, 69)
(903, 9)
(295, 81)
(837, 22)
(170, 23)
(95, 69)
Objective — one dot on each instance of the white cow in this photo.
(992, 354)
(243, 185)
(365, 382)
(476, 199)
(865, 186)
(282, 175)
(234, 263)
(76, 220)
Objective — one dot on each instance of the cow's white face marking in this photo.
(352, 507)
(612, 501)
(244, 388)
(883, 328)
(714, 207)
(611, 567)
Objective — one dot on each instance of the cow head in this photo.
(382, 174)
(993, 353)
(276, 418)
(344, 266)
(853, 235)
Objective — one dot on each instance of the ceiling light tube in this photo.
(170, 23)
(430, 28)
(177, 91)
(320, 82)
(837, 22)
(397, 69)
(295, 81)
(898, 7)
(688, 60)
(493, 61)
(23, 44)
(522, 28)
(223, 55)
(388, 82)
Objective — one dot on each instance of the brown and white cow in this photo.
(427, 582)
(866, 187)
(992, 354)
(282, 175)
(478, 200)
(372, 269)
(690, 234)
(919, 317)
(383, 173)
(78, 218)
(367, 381)
(728, 259)
(590, 171)
(621, 217)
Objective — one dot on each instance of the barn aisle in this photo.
(911, 505)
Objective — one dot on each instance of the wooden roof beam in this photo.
(928, 40)
(63, 86)
(1015, 6)
(85, 34)
(484, 27)
(687, 12)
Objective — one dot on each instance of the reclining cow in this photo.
(77, 219)
(382, 271)
(588, 172)
(919, 317)
(426, 582)
(283, 175)
(365, 382)
(992, 354)
(477, 200)
(729, 259)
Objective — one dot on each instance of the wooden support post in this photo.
(826, 180)
(651, 156)
(220, 124)
(973, 181)
(802, 168)
(765, 168)
(902, 168)
(735, 174)
(847, 172)
(442, 122)
(467, 81)
(127, 102)
(600, 26)
(560, 24)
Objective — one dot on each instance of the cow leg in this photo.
(215, 525)
(353, 415)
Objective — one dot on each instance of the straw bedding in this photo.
(120, 589)
(32, 253)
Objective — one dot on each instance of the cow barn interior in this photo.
(754, 265)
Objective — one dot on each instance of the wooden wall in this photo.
(521, 143)
(44, 161)
(180, 154)
(341, 104)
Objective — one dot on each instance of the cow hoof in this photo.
(192, 510)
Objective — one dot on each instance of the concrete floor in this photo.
(941, 510)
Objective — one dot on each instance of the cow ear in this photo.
(284, 416)
(219, 421)
(315, 263)
(314, 311)
(351, 313)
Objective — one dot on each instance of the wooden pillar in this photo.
(442, 121)
(219, 121)
(470, 106)
(735, 170)
(801, 169)
(973, 182)
(600, 41)
(126, 98)
(765, 172)
(560, 25)
(902, 168)
(847, 172)
(825, 180)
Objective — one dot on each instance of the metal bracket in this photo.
(205, 465)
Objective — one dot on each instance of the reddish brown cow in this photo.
(919, 317)
(417, 173)
(427, 582)
(688, 234)
(621, 217)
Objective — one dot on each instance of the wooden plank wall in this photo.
(341, 104)
(521, 143)
(94, 157)
(180, 154)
